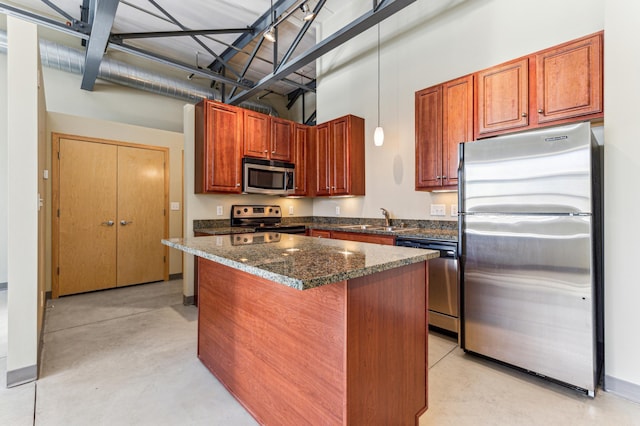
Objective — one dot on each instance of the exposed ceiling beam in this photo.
(157, 34)
(301, 34)
(172, 62)
(341, 36)
(80, 30)
(259, 26)
(61, 11)
(102, 22)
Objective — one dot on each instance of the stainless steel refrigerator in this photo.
(530, 252)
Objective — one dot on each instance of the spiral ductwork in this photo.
(64, 58)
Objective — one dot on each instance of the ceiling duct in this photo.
(71, 60)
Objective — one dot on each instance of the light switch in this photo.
(290, 209)
(219, 210)
(454, 210)
(175, 205)
(337, 210)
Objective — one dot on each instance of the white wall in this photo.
(3, 168)
(622, 198)
(23, 131)
(111, 102)
(427, 43)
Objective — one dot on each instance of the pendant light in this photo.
(270, 33)
(378, 134)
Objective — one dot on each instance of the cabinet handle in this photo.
(124, 222)
(237, 184)
(540, 111)
(524, 114)
(444, 177)
(438, 177)
(108, 223)
(273, 152)
(327, 188)
(266, 150)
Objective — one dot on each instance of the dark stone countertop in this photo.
(297, 261)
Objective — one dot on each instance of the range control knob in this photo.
(246, 210)
(237, 211)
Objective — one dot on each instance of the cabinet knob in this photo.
(524, 114)
(125, 222)
(265, 151)
(540, 111)
(108, 223)
(237, 184)
(273, 152)
(438, 177)
(444, 177)
(327, 188)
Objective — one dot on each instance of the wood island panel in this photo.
(351, 352)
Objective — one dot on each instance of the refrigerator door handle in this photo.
(461, 206)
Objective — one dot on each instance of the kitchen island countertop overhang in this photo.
(297, 261)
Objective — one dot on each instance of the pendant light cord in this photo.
(378, 74)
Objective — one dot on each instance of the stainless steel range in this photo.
(263, 218)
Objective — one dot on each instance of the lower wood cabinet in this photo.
(353, 236)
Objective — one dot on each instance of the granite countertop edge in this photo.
(400, 232)
(302, 284)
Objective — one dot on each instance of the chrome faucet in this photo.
(387, 221)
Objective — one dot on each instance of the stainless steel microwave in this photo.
(267, 177)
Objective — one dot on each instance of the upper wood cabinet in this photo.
(569, 80)
(267, 137)
(553, 86)
(444, 119)
(218, 147)
(503, 97)
(338, 157)
(302, 136)
(282, 139)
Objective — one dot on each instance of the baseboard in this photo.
(622, 388)
(22, 375)
(188, 300)
(3, 286)
(175, 276)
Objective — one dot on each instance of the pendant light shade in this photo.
(378, 134)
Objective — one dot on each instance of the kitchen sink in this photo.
(378, 228)
(360, 227)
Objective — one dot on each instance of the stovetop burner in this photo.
(262, 218)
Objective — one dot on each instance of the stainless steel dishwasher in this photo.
(443, 281)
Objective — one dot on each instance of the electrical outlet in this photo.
(437, 210)
(337, 210)
(175, 205)
(219, 210)
(454, 210)
(290, 209)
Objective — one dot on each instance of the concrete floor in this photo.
(127, 357)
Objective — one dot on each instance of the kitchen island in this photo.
(314, 331)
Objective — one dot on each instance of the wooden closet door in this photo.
(87, 215)
(141, 215)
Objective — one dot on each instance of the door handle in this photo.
(124, 222)
(108, 223)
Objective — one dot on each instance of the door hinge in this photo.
(58, 270)
(58, 212)
(58, 155)
(164, 259)
(164, 212)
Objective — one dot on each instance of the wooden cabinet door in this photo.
(388, 240)
(569, 80)
(339, 155)
(503, 97)
(282, 140)
(257, 134)
(319, 233)
(302, 135)
(457, 119)
(321, 184)
(428, 110)
(219, 137)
